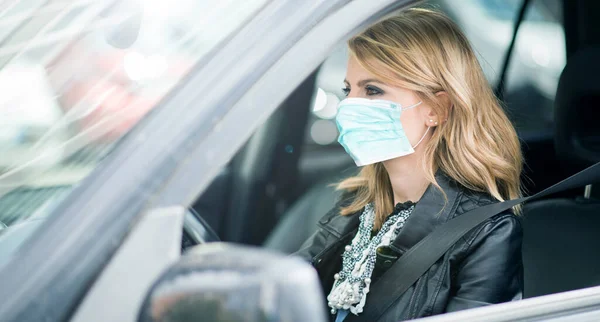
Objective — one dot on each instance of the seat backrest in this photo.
(562, 236)
(300, 221)
(560, 245)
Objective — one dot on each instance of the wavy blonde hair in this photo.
(477, 146)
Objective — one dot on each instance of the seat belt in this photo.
(418, 259)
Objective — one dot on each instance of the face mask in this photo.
(370, 130)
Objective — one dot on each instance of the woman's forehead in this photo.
(355, 72)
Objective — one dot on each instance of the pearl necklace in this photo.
(352, 283)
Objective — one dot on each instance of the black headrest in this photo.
(577, 109)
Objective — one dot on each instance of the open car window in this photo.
(75, 78)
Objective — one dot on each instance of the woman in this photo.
(434, 143)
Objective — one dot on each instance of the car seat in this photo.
(300, 221)
(562, 235)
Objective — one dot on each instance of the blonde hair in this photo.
(477, 146)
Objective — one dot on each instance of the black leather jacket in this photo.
(484, 267)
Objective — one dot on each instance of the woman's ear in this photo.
(439, 115)
(432, 119)
(444, 100)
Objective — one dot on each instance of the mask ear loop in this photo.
(423, 137)
(412, 106)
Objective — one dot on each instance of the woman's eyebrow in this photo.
(369, 80)
(363, 82)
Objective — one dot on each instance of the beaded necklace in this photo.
(352, 283)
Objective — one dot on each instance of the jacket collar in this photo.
(432, 210)
(429, 212)
(341, 225)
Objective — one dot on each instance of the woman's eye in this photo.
(346, 91)
(371, 90)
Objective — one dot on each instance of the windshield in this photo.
(76, 76)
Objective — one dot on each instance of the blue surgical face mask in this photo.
(370, 130)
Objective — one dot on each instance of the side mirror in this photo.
(221, 282)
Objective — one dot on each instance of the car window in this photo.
(536, 64)
(75, 77)
(322, 129)
(537, 61)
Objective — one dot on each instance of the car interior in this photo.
(282, 181)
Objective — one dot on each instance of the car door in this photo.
(581, 305)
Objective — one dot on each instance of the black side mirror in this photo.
(221, 282)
